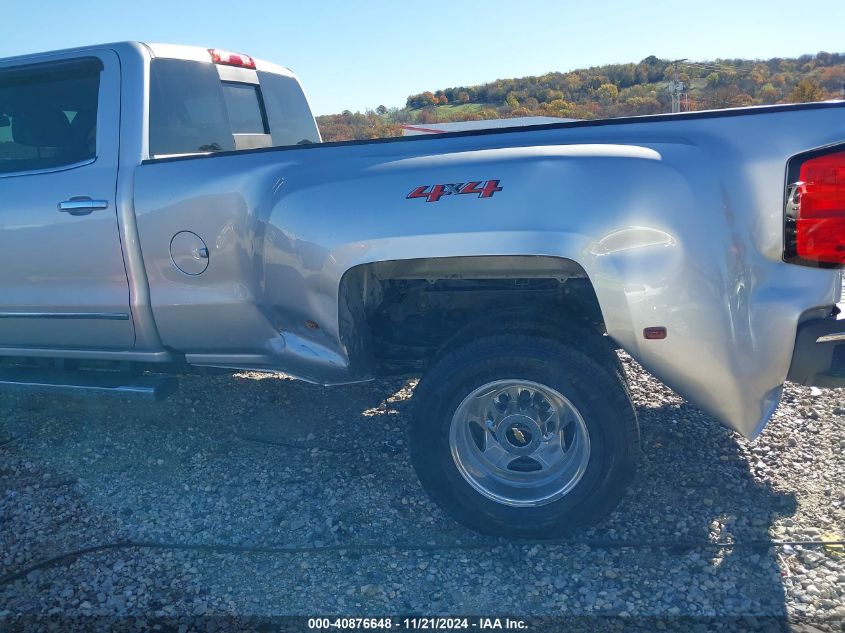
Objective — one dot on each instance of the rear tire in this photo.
(522, 435)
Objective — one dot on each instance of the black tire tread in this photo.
(596, 376)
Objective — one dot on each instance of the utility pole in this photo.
(676, 86)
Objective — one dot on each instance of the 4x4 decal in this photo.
(433, 193)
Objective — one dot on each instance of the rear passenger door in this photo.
(62, 279)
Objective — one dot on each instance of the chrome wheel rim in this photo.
(519, 443)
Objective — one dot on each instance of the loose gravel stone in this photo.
(250, 461)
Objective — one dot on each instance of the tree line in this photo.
(608, 91)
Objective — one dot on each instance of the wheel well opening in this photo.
(397, 315)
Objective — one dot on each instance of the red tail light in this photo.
(219, 56)
(815, 213)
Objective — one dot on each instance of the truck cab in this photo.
(73, 127)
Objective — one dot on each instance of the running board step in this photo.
(87, 382)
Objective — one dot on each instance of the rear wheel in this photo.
(521, 435)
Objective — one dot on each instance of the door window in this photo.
(48, 115)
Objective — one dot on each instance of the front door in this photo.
(62, 279)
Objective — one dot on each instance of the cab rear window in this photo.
(288, 113)
(187, 109)
(192, 111)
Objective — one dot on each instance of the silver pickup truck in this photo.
(166, 208)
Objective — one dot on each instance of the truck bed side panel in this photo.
(678, 223)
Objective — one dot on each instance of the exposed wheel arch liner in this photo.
(360, 286)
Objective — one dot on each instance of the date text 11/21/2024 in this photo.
(418, 623)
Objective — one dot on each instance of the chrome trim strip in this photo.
(46, 384)
(107, 316)
(232, 360)
(92, 382)
(49, 170)
(87, 354)
(830, 338)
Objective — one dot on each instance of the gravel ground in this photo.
(254, 461)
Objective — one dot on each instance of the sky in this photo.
(355, 55)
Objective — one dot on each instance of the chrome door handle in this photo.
(80, 205)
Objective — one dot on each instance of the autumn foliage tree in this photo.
(607, 91)
(806, 91)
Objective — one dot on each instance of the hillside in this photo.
(608, 91)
